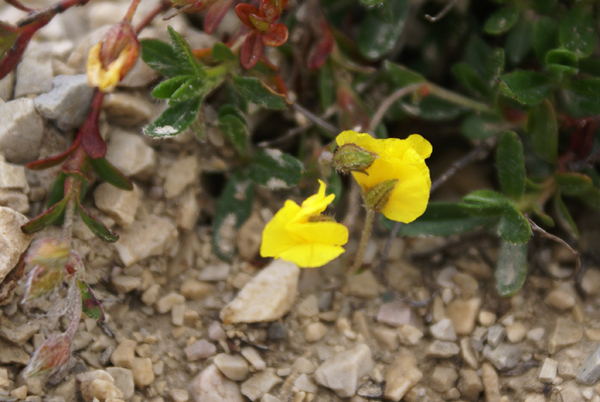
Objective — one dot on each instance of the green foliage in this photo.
(275, 170)
(511, 165)
(511, 269)
(381, 29)
(258, 93)
(501, 21)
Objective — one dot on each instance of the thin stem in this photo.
(68, 222)
(74, 300)
(163, 6)
(458, 99)
(315, 119)
(363, 241)
(16, 4)
(442, 13)
(294, 131)
(131, 11)
(389, 101)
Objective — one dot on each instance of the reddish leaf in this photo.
(260, 23)
(77, 165)
(321, 51)
(44, 220)
(50, 357)
(89, 303)
(277, 35)
(243, 12)
(91, 141)
(252, 49)
(96, 226)
(215, 14)
(12, 55)
(54, 160)
(582, 140)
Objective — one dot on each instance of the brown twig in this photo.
(315, 119)
(442, 13)
(389, 101)
(163, 6)
(557, 239)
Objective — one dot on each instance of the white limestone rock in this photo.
(21, 131)
(342, 371)
(13, 242)
(212, 386)
(130, 154)
(121, 205)
(145, 238)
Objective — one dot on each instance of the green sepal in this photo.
(111, 174)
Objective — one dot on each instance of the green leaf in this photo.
(89, 303)
(519, 42)
(587, 94)
(481, 126)
(258, 93)
(326, 87)
(545, 36)
(275, 170)
(501, 21)
(233, 209)
(184, 52)
(495, 65)
(235, 98)
(432, 108)
(111, 174)
(45, 219)
(591, 65)
(484, 203)
(466, 75)
(401, 75)
(564, 218)
(96, 226)
(57, 192)
(175, 119)
(511, 269)
(526, 87)
(543, 127)
(161, 57)
(576, 31)
(511, 164)
(229, 109)
(573, 184)
(544, 6)
(380, 30)
(335, 187)
(440, 219)
(477, 54)
(236, 132)
(165, 89)
(192, 88)
(561, 63)
(222, 52)
(513, 227)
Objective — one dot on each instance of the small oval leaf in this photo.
(511, 268)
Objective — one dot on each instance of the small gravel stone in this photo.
(443, 379)
(215, 332)
(309, 307)
(536, 334)
(516, 332)
(401, 376)
(125, 283)
(249, 237)
(199, 350)
(150, 295)
(178, 314)
(181, 174)
(487, 318)
(470, 385)
(269, 398)
(441, 349)
(68, 102)
(410, 335)
(123, 380)
(12, 177)
(260, 383)
(277, 331)
(443, 330)
(124, 354)
(495, 335)
(179, 395)
(20, 334)
(234, 367)
(566, 332)
(267, 297)
(468, 354)
(99, 389)
(463, 314)
(589, 372)
(590, 283)
(304, 383)
(21, 132)
(397, 314)
(548, 370)
(387, 337)
(143, 375)
(314, 331)
(560, 299)
(215, 273)
(166, 303)
(34, 72)
(212, 386)
(325, 300)
(120, 205)
(342, 371)
(195, 290)
(362, 285)
(20, 393)
(145, 238)
(253, 358)
(303, 366)
(129, 153)
(504, 357)
(491, 384)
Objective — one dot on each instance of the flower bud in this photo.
(49, 252)
(352, 158)
(42, 280)
(113, 57)
(50, 357)
(377, 197)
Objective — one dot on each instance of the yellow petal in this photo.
(409, 199)
(315, 204)
(320, 232)
(276, 238)
(106, 78)
(311, 255)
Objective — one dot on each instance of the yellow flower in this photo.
(402, 160)
(106, 79)
(302, 235)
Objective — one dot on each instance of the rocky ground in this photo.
(175, 328)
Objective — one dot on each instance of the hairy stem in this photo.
(163, 6)
(69, 215)
(131, 10)
(389, 101)
(457, 99)
(363, 241)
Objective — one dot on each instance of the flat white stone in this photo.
(13, 242)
